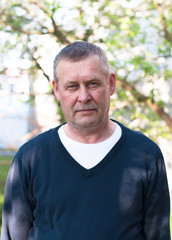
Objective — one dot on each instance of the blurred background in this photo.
(137, 37)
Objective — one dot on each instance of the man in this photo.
(90, 178)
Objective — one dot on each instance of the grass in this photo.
(171, 224)
(5, 162)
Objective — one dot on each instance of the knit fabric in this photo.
(50, 196)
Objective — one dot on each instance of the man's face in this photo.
(84, 92)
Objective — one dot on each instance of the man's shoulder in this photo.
(138, 138)
(38, 142)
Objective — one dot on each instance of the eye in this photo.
(72, 87)
(93, 84)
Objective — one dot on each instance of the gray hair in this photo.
(80, 50)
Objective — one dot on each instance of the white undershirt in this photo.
(89, 155)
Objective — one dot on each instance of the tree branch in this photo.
(151, 103)
(5, 22)
(38, 66)
(58, 33)
(159, 7)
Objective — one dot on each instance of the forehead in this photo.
(90, 64)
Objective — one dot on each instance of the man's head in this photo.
(83, 84)
(80, 50)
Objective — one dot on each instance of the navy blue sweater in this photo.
(49, 196)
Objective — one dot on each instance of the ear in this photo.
(56, 90)
(112, 84)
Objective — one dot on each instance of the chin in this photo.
(86, 124)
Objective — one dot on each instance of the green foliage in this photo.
(4, 167)
(171, 223)
(167, 74)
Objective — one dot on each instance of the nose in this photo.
(84, 95)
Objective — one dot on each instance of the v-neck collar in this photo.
(92, 171)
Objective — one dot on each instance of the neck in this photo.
(90, 135)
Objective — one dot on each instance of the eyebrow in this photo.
(86, 81)
(70, 82)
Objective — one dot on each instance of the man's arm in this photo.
(156, 211)
(17, 216)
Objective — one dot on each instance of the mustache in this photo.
(85, 107)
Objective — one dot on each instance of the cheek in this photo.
(67, 101)
(102, 97)
(104, 102)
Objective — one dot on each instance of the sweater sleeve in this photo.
(17, 216)
(157, 204)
